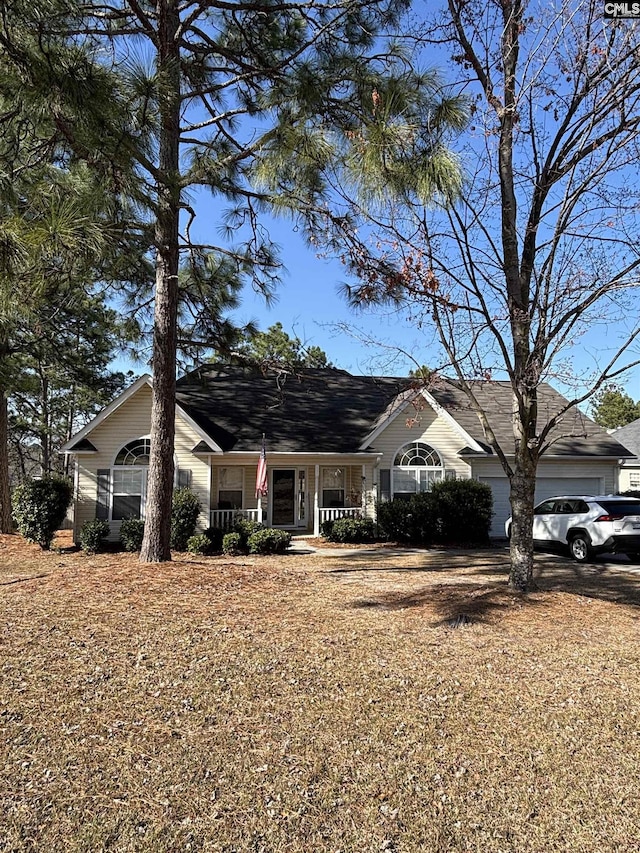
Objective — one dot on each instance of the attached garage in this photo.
(546, 487)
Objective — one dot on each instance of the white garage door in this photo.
(546, 487)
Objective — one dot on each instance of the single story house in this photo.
(629, 437)
(336, 444)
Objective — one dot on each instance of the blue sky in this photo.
(309, 304)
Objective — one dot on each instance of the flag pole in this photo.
(262, 478)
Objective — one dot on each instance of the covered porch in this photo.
(301, 495)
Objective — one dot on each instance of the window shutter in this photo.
(385, 484)
(102, 502)
(184, 478)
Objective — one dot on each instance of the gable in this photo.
(128, 418)
(422, 424)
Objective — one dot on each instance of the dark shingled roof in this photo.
(321, 411)
(83, 446)
(331, 411)
(576, 435)
(629, 436)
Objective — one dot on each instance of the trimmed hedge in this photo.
(214, 535)
(199, 544)
(245, 528)
(464, 510)
(453, 512)
(132, 534)
(413, 521)
(93, 535)
(269, 541)
(232, 545)
(185, 509)
(39, 508)
(349, 529)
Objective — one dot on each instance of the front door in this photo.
(283, 500)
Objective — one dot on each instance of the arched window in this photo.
(418, 453)
(415, 468)
(129, 479)
(136, 452)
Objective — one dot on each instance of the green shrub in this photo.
(232, 544)
(214, 535)
(269, 541)
(185, 509)
(92, 535)
(464, 509)
(410, 521)
(630, 493)
(132, 534)
(199, 544)
(39, 508)
(326, 528)
(352, 530)
(245, 527)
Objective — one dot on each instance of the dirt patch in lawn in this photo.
(363, 703)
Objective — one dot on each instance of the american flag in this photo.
(262, 481)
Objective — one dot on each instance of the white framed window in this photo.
(128, 489)
(634, 479)
(129, 479)
(416, 467)
(136, 452)
(230, 488)
(332, 484)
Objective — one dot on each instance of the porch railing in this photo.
(333, 513)
(223, 518)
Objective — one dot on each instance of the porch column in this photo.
(259, 508)
(316, 504)
(363, 491)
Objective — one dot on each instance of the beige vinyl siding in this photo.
(431, 428)
(130, 421)
(606, 470)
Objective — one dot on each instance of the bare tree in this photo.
(541, 248)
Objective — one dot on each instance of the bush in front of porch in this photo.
(349, 529)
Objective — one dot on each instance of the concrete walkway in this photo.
(302, 546)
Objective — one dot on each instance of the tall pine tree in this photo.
(218, 83)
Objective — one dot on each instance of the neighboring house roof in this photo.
(332, 411)
(629, 436)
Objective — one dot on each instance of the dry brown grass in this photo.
(316, 704)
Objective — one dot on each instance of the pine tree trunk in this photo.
(156, 544)
(6, 525)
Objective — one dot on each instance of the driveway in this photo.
(608, 577)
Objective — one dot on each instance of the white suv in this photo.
(588, 525)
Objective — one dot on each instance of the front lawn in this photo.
(311, 704)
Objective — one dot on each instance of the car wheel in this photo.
(580, 548)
